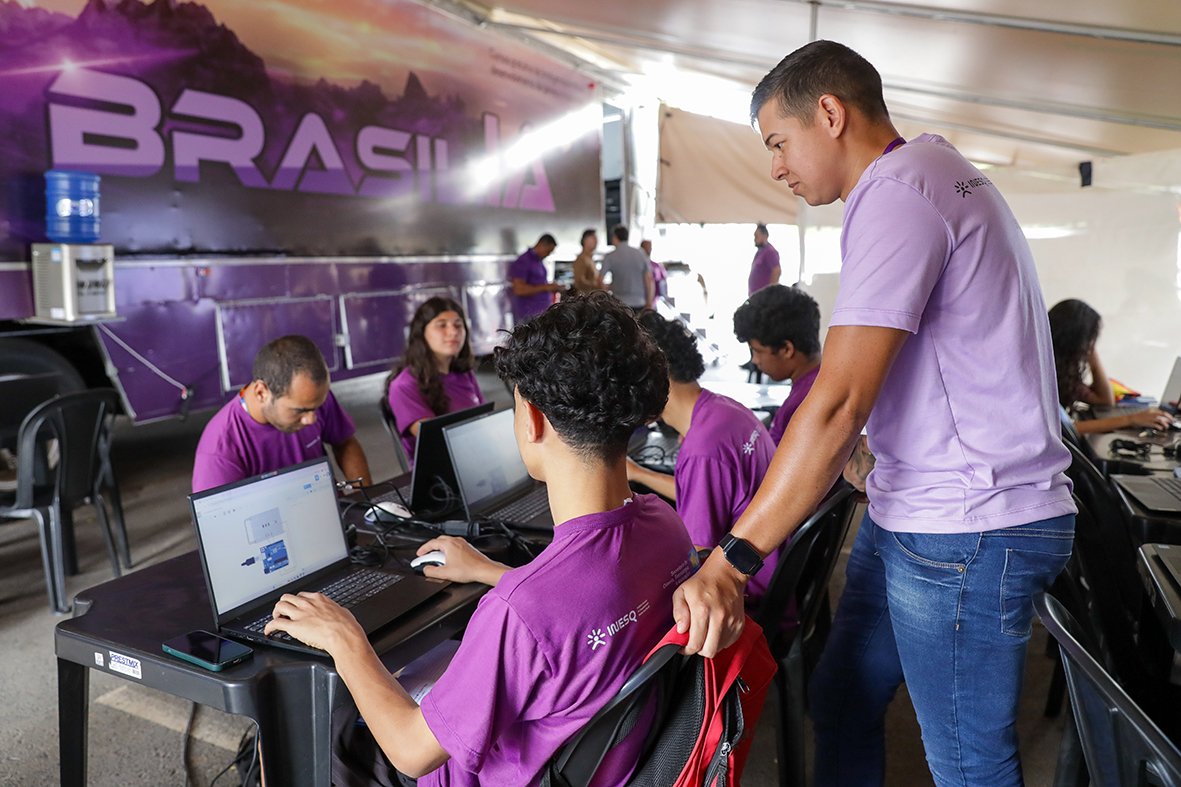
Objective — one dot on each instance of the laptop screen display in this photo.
(487, 462)
(258, 536)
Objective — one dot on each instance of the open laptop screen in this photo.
(1172, 392)
(487, 462)
(257, 536)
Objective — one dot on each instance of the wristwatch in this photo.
(741, 554)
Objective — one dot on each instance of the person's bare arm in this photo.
(523, 288)
(1099, 391)
(649, 287)
(1152, 418)
(776, 272)
(661, 483)
(818, 442)
(351, 458)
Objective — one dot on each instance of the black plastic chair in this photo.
(576, 762)
(1123, 747)
(391, 426)
(802, 573)
(81, 424)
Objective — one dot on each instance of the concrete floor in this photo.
(136, 734)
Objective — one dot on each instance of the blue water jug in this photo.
(71, 206)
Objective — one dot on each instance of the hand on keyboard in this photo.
(319, 621)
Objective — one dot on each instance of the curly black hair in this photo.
(678, 344)
(1074, 329)
(587, 365)
(776, 315)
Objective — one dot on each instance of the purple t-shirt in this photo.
(553, 642)
(766, 260)
(799, 389)
(530, 268)
(410, 406)
(234, 446)
(965, 431)
(722, 461)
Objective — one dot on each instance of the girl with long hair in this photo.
(434, 376)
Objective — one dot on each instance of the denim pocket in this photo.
(939, 550)
(1026, 572)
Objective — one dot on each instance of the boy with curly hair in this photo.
(553, 640)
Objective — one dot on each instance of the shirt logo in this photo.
(748, 447)
(599, 637)
(964, 187)
(313, 442)
(595, 639)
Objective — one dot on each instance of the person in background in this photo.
(631, 276)
(764, 268)
(532, 291)
(586, 275)
(659, 274)
(435, 375)
(284, 416)
(541, 654)
(725, 449)
(781, 325)
(1074, 330)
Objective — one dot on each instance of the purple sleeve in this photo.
(407, 403)
(779, 422)
(496, 674)
(894, 249)
(772, 261)
(338, 426)
(210, 470)
(705, 498)
(519, 269)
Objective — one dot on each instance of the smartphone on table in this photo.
(208, 650)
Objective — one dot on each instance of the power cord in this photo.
(247, 755)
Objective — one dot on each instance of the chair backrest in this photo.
(80, 422)
(576, 762)
(1121, 744)
(391, 425)
(804, 568)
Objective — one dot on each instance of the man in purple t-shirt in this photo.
(970, 512)
(286, 415)
(553, 640)
(532, 291)
(764, 268)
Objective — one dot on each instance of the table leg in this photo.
(73, 699)
(295, 728)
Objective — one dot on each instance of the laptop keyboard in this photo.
(1170, 485)
(348, 591)
(398, 495)
(525, 508)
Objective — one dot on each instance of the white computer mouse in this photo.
(432, 558)
(386, 511)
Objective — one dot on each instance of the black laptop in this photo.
(492, 478)
(433, 488)
(281, 533)
(1160, 494)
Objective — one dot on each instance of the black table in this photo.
(1155, 461)
(1164, 594)
(118, 627)
(1149, 527)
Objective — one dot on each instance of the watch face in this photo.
(742, 555)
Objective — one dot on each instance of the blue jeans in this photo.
(950, 615)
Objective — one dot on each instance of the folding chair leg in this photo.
(104, 524)
(67, 544)
(1071, 770)
(51, 557)
(116, 499)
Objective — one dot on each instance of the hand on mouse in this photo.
(1152, 418)
(465, 563)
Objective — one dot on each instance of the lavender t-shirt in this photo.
(553, 642)
(410, 406)
(965, 431)
(531, 269)
(799, 389)
(234, 446)
(766, 260)
(722, 461)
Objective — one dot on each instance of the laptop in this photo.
(1160, 494)
(492, 478)
(433, 488)
(1172, 396)
(281, 533)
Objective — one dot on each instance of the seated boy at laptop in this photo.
(554, 640)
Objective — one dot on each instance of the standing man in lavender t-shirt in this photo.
(970, 512)
(553, 640)
(286, 415)
(764, 268)
(532, 291)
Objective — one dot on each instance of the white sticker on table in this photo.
(126, 665)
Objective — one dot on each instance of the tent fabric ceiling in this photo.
(697, 150)
(1040, 86)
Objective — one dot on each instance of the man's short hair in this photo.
(762, 230)
(589, 367)
(813, 70)
(280, 361)
(586, 234)
(619, 231)
(678, 344)
(547, 239)
(776, 315)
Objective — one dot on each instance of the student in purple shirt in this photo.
(286, 415)
(764, 268)
(532, 291)
(939, 339)
(724, 453)
(781, 325)
(435, 374)
(553, 640)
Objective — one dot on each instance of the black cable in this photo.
(187, 740)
